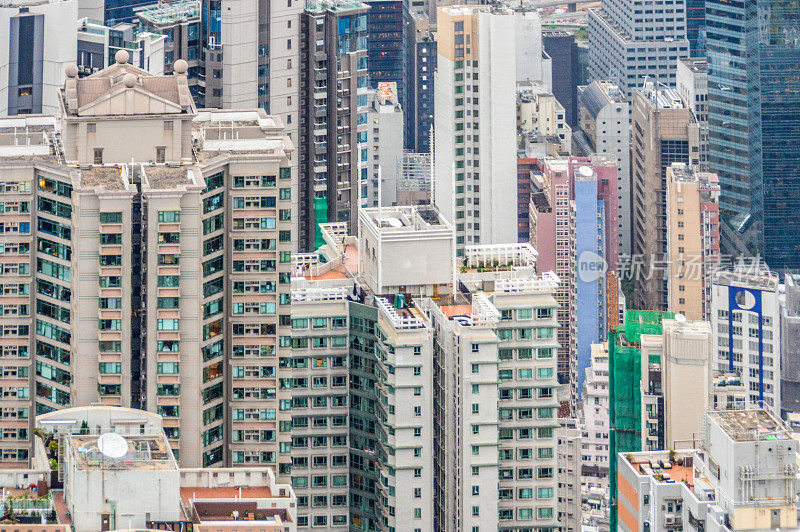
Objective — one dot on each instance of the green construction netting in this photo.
(625, 400)
(320, 217)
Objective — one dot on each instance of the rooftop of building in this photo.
(498, 257)
(105, 177)
(168, 13)
(595, 96)
(417, 218)
(662, 97)
(335, 6)
(695, 64)
(166, 176)
(473, 9)
(682, 172)
(114, 452)
(753, 275)
(531, 89)
(336, 260)
(401, 312)
(103, 93)
(117, 177)
(243, 131)
(750, 425)
(664, 466)
(627, 38)
(727, 380)
(680, 325)
(29, 136)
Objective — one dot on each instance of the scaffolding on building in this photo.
(625, 400)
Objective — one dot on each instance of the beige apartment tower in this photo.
(692, 239)
(664, 132)
(162, 264)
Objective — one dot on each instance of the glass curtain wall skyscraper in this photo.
(753, 50)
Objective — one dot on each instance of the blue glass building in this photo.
(385, 52)
(696, 27)
(117, 11)
(753, 51)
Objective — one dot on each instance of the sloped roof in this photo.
(124, 89)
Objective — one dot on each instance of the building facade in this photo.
(745, 317)
(696, 488)
(751, 112)
(420, 64)
(385, 153)
(41, 40)
(603, 117)
(692, 240)
(665, 131)
(98, 44)
(692, 86)
(475, 159)
(631, 44)
(333, 134)
(128, 342)
(179, 23)
(790, 332)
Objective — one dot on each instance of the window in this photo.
(110, 217)
(161, 154)
(98, 156)
(168, 368)
(169, 216)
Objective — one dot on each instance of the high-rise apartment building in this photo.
(552, 233)
(41, 39)
(150, 266)
(251, 58)
(664, 131)
(420, 64)
(385, 152)
(604, 118)
(745, 317)
(692, 240)
(386, 40)
(570, 496)
(790, 346)
(753, 59)
(631, 43)
(333, 133)
(676, 383)
(572, 203)
(692, 85)
(562, 50)
(594, 453)
(625, 388)
(179, 22)
(475, 154)
(700, 488)
(540, 112)
(98, 44)
(594, 191)
(441, 383)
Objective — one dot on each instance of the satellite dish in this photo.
(586, 171)
(680, 318)
(112, 445)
